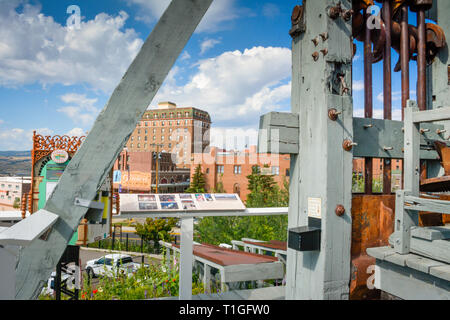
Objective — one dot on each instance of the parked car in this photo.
(49, 288)
(111, 265)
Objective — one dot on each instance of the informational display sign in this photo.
(117, 176)
(180, 202)
(55, 171)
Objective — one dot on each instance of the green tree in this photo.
(198, 182)
(155, 229)
(264, 193)
(16, 204)
(219, 186)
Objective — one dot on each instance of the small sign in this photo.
(60, 156)
(315, 208)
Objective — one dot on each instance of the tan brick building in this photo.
(232, 168)
(11, 189)
(181, 131)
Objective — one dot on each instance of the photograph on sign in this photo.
(188, 205)
(148, 206)
(199, 197)
(167, 198)
(169, 206)
(185, 196)
(147, 197)
(208, 197)
(220, 197)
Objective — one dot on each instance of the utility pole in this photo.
(158, 158)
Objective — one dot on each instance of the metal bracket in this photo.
(95, 212)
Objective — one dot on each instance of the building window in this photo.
(186, 122)
(139, 145)
(154, 130)
(276, 171)
(162, 138)
(154, 124)
(288, 172)
(163, 130)
(178, 122)
(220, 169)
(162, 123)
(139, 131)
(207, 170)
(145, 138)
(154, 138)
(187, 114)
(237, 169)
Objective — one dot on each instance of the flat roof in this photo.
(228, 257)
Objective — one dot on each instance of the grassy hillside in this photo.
(15, 163)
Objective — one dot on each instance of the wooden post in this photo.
(322, 172)
(207, 278)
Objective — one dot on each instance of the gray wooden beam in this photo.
(379, 138)
(278, 133)
(439, 114)
(115, 123)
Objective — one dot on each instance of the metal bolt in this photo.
(333, 114)
(315, 41)
(367, 126)
(324, 51)
(348, 145)
(347, 14)
(324, 36)
(334, 12)
(340, 210)
(422, 131)
(315, 56)
(388, 148)
(438, 131)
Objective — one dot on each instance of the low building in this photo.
(231, 168)
(137, 172)
(12, 190)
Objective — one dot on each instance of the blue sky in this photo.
(237, 66)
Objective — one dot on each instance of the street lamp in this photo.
(157, 157)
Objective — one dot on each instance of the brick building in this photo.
(396, 170)
(232, 168)
(181, 131)
(12, 188)
(135, 172)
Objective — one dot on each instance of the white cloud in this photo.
(396, 96)
(208, 44)
(185, 56)
(236, 87)
(219, 14)
(358, 85)
(76, 132)
(1, 121)
(81, 109)
(35, 48)
(271, 10)
(379, 113)
(18, 139)
(233, 138)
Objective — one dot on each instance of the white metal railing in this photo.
(187, 234)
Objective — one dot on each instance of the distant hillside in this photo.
(15, 163)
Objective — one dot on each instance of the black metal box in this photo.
(304, 239)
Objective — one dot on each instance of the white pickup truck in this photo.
(111, 265)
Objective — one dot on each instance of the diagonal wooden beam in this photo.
(115, 123)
